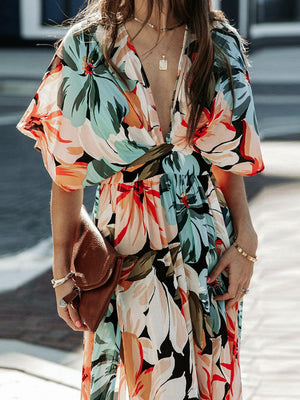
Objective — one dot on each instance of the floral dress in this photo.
(163, 336)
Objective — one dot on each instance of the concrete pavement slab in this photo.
(282, 158)
(275, 397)
(16, 385)
(70, 359)
(35, 372)
(17, 269)
(41, 369)
(270, 355)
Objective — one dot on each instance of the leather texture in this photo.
(97, 268)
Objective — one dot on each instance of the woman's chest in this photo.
(161, 86)
(160, 67)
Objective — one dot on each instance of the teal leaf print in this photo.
(129, 151)
(99, 170)
(105, 358)
(88, 89)
(185, 204)
(215, 317)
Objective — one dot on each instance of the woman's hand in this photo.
(239, 268)
(68, 313)
(65, 214)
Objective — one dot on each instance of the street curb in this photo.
(37, 367)
(42, 369)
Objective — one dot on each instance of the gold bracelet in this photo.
(244, 254)
(58, 282)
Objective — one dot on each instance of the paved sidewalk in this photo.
(35, 372)
(270, 355)
(19, 386)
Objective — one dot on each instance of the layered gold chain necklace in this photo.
(156, 28)
(163, 62)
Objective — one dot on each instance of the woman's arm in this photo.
(233, 188)
(240, 269)
(65, 211)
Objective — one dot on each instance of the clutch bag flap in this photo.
(94, 259)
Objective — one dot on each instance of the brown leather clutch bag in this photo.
(97, 268)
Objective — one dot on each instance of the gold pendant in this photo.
(163, 63)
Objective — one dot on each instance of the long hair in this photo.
(198, 16)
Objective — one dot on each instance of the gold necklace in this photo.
(156, 28)
(163, 62)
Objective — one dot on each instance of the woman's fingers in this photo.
(232, 302)
(236, 298)
(233, 295)
(63, 312)
(221, 265)
(75, 318)
(69, 314)
(230, 294)
(240, 294)
(239, 274)
(66, 313)
(225, 296)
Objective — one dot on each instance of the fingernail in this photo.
(78, 324)
(208, 279)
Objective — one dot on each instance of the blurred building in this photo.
(27, 21)
(262, 21)
(265, 21)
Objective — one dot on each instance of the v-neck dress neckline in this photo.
(177, 84)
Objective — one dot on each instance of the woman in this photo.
(164, 83)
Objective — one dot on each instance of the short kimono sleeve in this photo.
(55, 137)
(227, 135)
(69, 120)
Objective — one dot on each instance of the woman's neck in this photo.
(141, 11)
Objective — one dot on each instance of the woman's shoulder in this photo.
(228, 39)
(82, 33)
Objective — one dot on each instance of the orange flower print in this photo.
(137, 206)
(215, 126)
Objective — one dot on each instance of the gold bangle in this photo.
(244, 254)
(58, 282)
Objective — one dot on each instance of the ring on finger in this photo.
(63, 304)
(244, 290)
